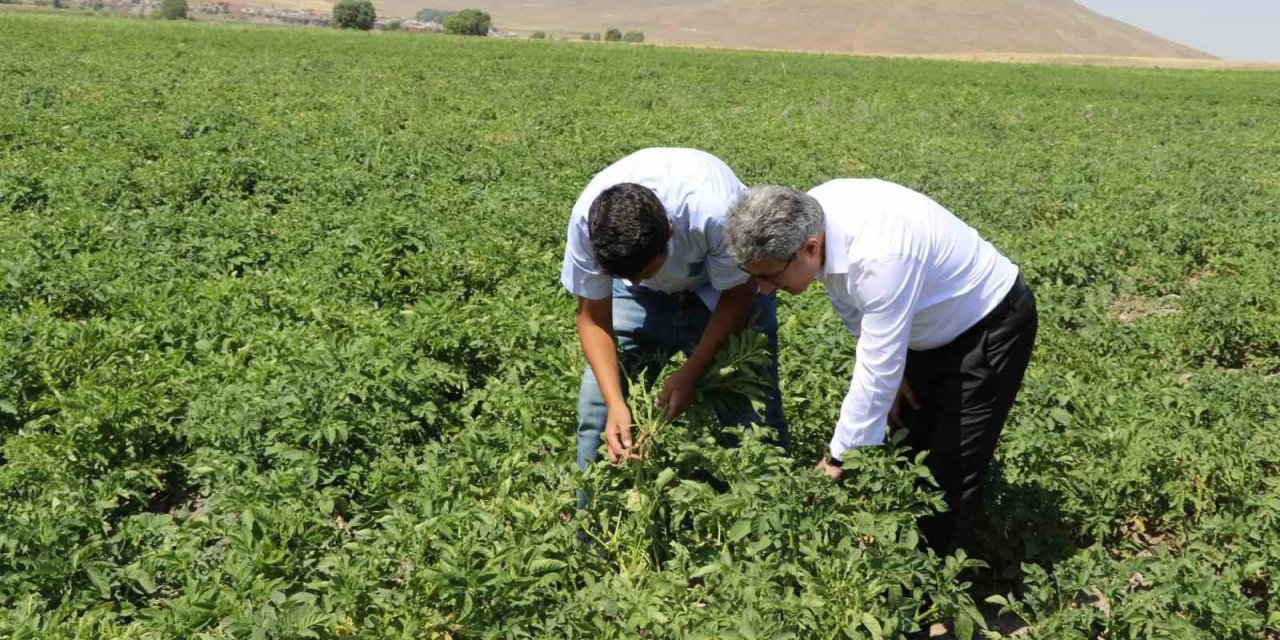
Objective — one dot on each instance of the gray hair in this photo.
(769, 222)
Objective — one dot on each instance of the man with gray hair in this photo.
(944, 322)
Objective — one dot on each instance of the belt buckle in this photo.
(688, 297)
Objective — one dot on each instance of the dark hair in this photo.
(629, 228)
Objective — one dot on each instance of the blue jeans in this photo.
(651, 323)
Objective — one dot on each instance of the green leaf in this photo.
(758, 547)
(544, 565)
(665, 477)
(139, 575)
(706, 570)
(634, 500)
(1060, 416)
(869, 621)
(740, 530)
(910, 537)
(964, 627)
(100, 581)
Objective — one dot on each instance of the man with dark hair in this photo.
(647, 259)
(945, 323)
(628, 227)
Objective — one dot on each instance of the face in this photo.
(793, 275)
(651, 269)
(655, 265)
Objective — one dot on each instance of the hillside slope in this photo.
(855, 26)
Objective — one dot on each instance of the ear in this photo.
(813, 245)
(671, 230)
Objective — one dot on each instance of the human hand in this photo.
(905, 394)
(677, 392)
(832, 471)
(617, 434)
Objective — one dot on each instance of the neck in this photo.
(822, 255)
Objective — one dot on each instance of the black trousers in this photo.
(965, 390)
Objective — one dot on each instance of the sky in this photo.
(1247, 30)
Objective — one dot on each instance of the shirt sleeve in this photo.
(723, 272)
(848, 314)
(580, 274)
(889, 290)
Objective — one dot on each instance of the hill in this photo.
(851, 26)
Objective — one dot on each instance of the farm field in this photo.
(283, 352)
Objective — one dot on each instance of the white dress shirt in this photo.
(696, 188)
(902, 273)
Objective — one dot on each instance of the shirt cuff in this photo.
(862, 438)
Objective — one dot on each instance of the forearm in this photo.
(595, 333)
(889, 299)
(879, 364)
(863, 412)
(727, 319)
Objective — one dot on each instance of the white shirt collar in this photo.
(837, 247)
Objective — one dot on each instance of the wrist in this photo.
(695, 366)
(836, 456)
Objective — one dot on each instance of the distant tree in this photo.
(468, 22)
(586, 36)
(431, 15)
(172, 10)
(613, 35)
(633, 36)
(393, 25)
(538, 35)
(354, 14)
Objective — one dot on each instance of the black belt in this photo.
(683, 298)
(686, 297)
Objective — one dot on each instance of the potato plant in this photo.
(283, 355)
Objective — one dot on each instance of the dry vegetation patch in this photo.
(1129, 309)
